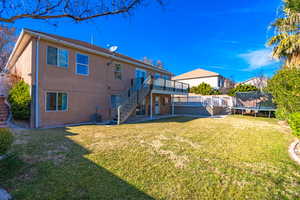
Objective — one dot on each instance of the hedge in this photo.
(20, 100)
(242, 88)
(294, 122)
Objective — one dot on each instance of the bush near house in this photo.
(6, 139)
(204, 89)
(294, 122)
(242, 88)
(19, 99)
(285, 88)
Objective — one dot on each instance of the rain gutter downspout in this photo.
(37, 82)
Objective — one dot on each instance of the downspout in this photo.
(37, 82)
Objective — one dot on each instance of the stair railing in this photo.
(133, 97)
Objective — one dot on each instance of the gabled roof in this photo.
(254, 78)
(85, 46)
(197, 73)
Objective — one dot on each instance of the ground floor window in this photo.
(56, 101)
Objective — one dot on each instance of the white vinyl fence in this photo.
(215, 100)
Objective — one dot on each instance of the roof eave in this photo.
(49, 38)
(14, 49)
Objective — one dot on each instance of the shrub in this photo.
(19, 99)
(294, 122)
(6, 139)
(285, 88)
(204, 89)
(242, 88)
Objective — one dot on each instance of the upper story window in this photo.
(221, 82)
(57, 56)
(82, 64)
(117, 69)
(57, 101)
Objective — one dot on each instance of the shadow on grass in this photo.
(63, 173)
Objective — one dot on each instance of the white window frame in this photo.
(46, 93)
(121, 71)
(57, 57)
(88, 65)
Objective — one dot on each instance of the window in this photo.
(139, 73)
(221, 82)
(117, 69)
(58, 57)
(56, 101)
(115, 101)
(82, 64)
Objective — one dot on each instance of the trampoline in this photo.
(253, 102)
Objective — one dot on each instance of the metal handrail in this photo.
(135, 96)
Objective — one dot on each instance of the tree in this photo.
(285, 88)
(286, 41)
(293, 5)
(7, 39)
(242, 88)
(77, 10)
(204, 89)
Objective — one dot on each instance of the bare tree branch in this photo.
(77, 10)
(7, 40)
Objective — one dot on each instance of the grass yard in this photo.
(180, 158)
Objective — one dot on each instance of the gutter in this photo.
(37, 83)
(49, 38)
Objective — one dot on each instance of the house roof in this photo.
(87, 46)
(253, 78)
(197, 73)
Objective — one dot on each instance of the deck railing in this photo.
(170, 85)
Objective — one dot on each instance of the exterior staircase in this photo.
(4, 112)
(131, 98)
(4, 108)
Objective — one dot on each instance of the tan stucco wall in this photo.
(23, 65)
(85, 93)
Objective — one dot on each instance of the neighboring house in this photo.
(259, 82)
(198, 76)
(71, 81)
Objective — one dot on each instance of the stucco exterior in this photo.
(86, 94)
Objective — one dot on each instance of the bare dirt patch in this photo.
(180, 161)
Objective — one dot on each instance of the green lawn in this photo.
(180, 158)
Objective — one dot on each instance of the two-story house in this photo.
(71, 81)
(198, 76)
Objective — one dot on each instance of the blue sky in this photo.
(227, 37)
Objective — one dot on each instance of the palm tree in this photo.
(286, 41)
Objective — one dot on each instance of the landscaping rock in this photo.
(4, 195)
